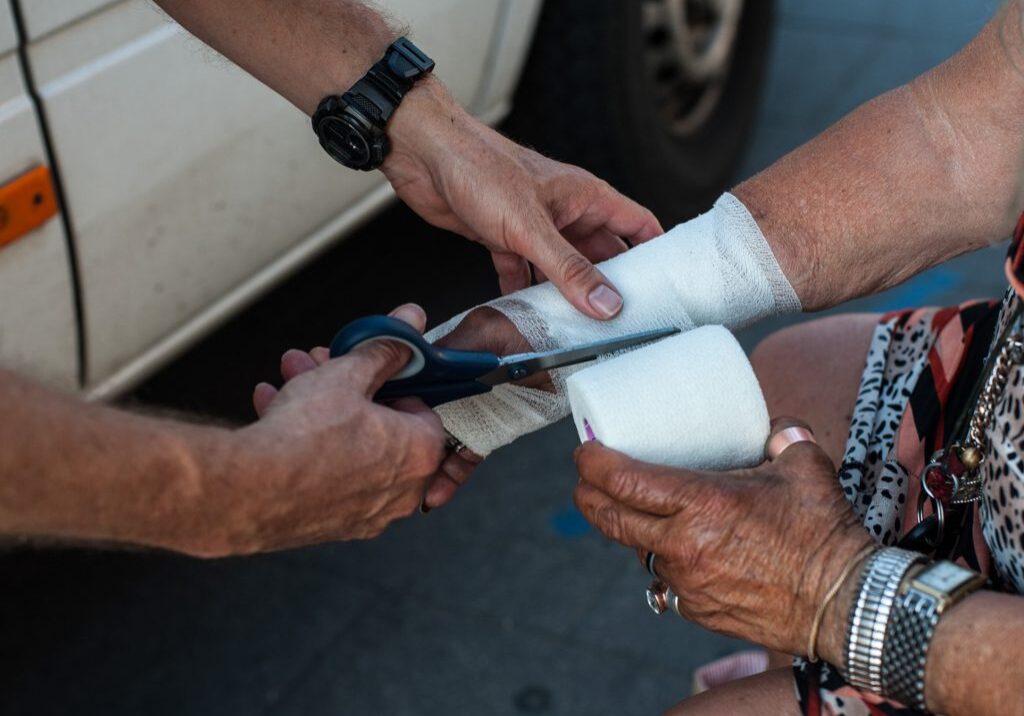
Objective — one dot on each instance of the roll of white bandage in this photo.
(691, 401)
(715, 269)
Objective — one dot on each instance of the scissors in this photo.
(441, 375)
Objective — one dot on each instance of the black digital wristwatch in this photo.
(351, 127)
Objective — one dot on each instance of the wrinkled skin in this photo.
(390, 452)
(750, 552)
(461, 175)
(482, 329)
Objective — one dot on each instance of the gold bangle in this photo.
(812, 640)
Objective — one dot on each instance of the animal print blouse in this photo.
(920, 370)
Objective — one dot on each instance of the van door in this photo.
(38, 328)
(185, 178)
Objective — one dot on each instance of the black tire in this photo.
(586, 98)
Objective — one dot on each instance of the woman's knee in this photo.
(812, 371)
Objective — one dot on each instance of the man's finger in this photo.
(441, 491)
(513, 271)
(624, 217)
(601, 246)
(639, 485)
(295, 363)
(617, 521)
(581, 284)
(262, 396)
(454, 473)
(370, 365)
(412, 314)
(413, 406)
(458, 469)
(597, 246)
(320, 354)
(425, 450)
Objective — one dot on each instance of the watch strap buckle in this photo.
(406, 60)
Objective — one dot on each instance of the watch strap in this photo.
(351, 127)
(910, 632)
(373, 97)
(406, 62)
(380, 91)
(876, 594)
(915, 615)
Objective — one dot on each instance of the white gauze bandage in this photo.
(691, 401)
(714, 269)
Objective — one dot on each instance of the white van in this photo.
(149, 189)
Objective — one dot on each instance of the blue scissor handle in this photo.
(435, 375)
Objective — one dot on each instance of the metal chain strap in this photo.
(1011, 353)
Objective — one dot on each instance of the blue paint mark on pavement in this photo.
(924, 290)
(569, 523)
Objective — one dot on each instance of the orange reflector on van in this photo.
(26, 202)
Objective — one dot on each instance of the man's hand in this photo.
(337, 465)
(750, 553)
(463, 176)
(451, 169)
(483, 329)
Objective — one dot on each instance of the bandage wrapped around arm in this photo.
(714, 269)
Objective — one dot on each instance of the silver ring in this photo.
(453, 443)
(650, 565)
(673, 601)
(657, 597)
(661, 598)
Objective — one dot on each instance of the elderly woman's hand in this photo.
(750, 553)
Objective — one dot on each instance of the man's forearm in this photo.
(910, 179)
(86, 472)
(306, 50)
(303, 49)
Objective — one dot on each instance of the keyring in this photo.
(786, 438)
(939, 510)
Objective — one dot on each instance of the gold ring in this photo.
(785, 438)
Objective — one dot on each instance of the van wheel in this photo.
(655, 96)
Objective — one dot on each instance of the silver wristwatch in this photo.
(925, 594)
(876, 593)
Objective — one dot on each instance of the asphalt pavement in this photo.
(505, 602)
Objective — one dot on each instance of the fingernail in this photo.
(589, 431)
(408, 312)
(424, 507)
(605, 301)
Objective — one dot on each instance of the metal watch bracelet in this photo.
(869, 617)
(923, 598)
(906, 648)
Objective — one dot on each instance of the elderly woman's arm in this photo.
(752, 554)
(921, 174)
(976, 658)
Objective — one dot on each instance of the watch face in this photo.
(344, 141)
(945, 577)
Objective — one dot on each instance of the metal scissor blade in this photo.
(523, 365)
